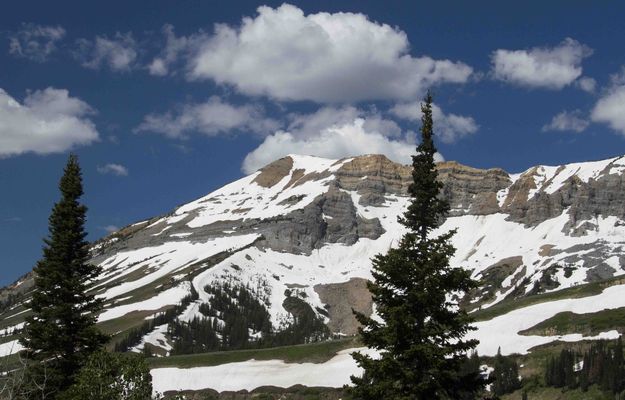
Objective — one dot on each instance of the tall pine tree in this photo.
(61, 333)
(421, 339)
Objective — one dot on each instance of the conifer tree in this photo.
(61, 333)
(422, 337)
(505, 375)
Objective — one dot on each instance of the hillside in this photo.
(281, 257)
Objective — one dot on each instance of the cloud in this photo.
(175, 47)
(610, 108)
(114, 169)
(343, 140)
(323, 57)
(586, 84)
(302, 125)
(35, 42)
(567, 121)
(119, 54)
(618, 79)
(48, 121)
(541, 67)
(448, 127)
(212, 118)
(110, 228)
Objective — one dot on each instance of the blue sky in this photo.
(165, 102)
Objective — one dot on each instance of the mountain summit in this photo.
(294, 242)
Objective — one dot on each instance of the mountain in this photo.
(282, 256)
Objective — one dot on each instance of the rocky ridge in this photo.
(310, 226)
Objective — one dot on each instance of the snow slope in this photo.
(503, 331)
(481, 241)
(153, 264)
(251, 374)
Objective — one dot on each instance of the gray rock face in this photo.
(468, 190)
(601, 196)
(330, 218)
(374, 177)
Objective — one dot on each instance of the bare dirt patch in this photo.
(341, 298)
(274, 172)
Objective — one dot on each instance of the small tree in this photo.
(505, 375)
(61, 333)
(421, 339)
(112, 376)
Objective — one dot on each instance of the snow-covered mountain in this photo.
(305, 228)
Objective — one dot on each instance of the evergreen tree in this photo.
(61, 333)
(112, 376)
(421, 339)
(505, 374)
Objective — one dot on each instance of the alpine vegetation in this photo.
(421, 335)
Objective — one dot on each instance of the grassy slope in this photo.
(586, 324)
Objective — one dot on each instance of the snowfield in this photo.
(168, 297)
(163, 260)
(227, 203)
(9, 348)
(251, 374)
(503, 331)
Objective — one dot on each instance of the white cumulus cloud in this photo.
(212, 118)
(567, 121)
(113, 169)
(311, 124)
(587, 84)
(610, 109)
(119, 53)
(35, 42)
(448, 127)
(175, 47)
(110, 228)
(542, 67)
(337, 141)
(323, 57)
(47, 121)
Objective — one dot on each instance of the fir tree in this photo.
(112, 376)
(505, 374)
(61, 333)
(421, 339)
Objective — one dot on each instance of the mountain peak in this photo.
(308, 226)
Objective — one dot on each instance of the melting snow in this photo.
(168, 297)
(9, 348)
(249, 375)
(503, 331)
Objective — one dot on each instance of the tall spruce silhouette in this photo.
(61, 334)
(421, 336)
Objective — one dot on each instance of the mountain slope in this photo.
(296, 239)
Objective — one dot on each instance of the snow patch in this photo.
(249, 375)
